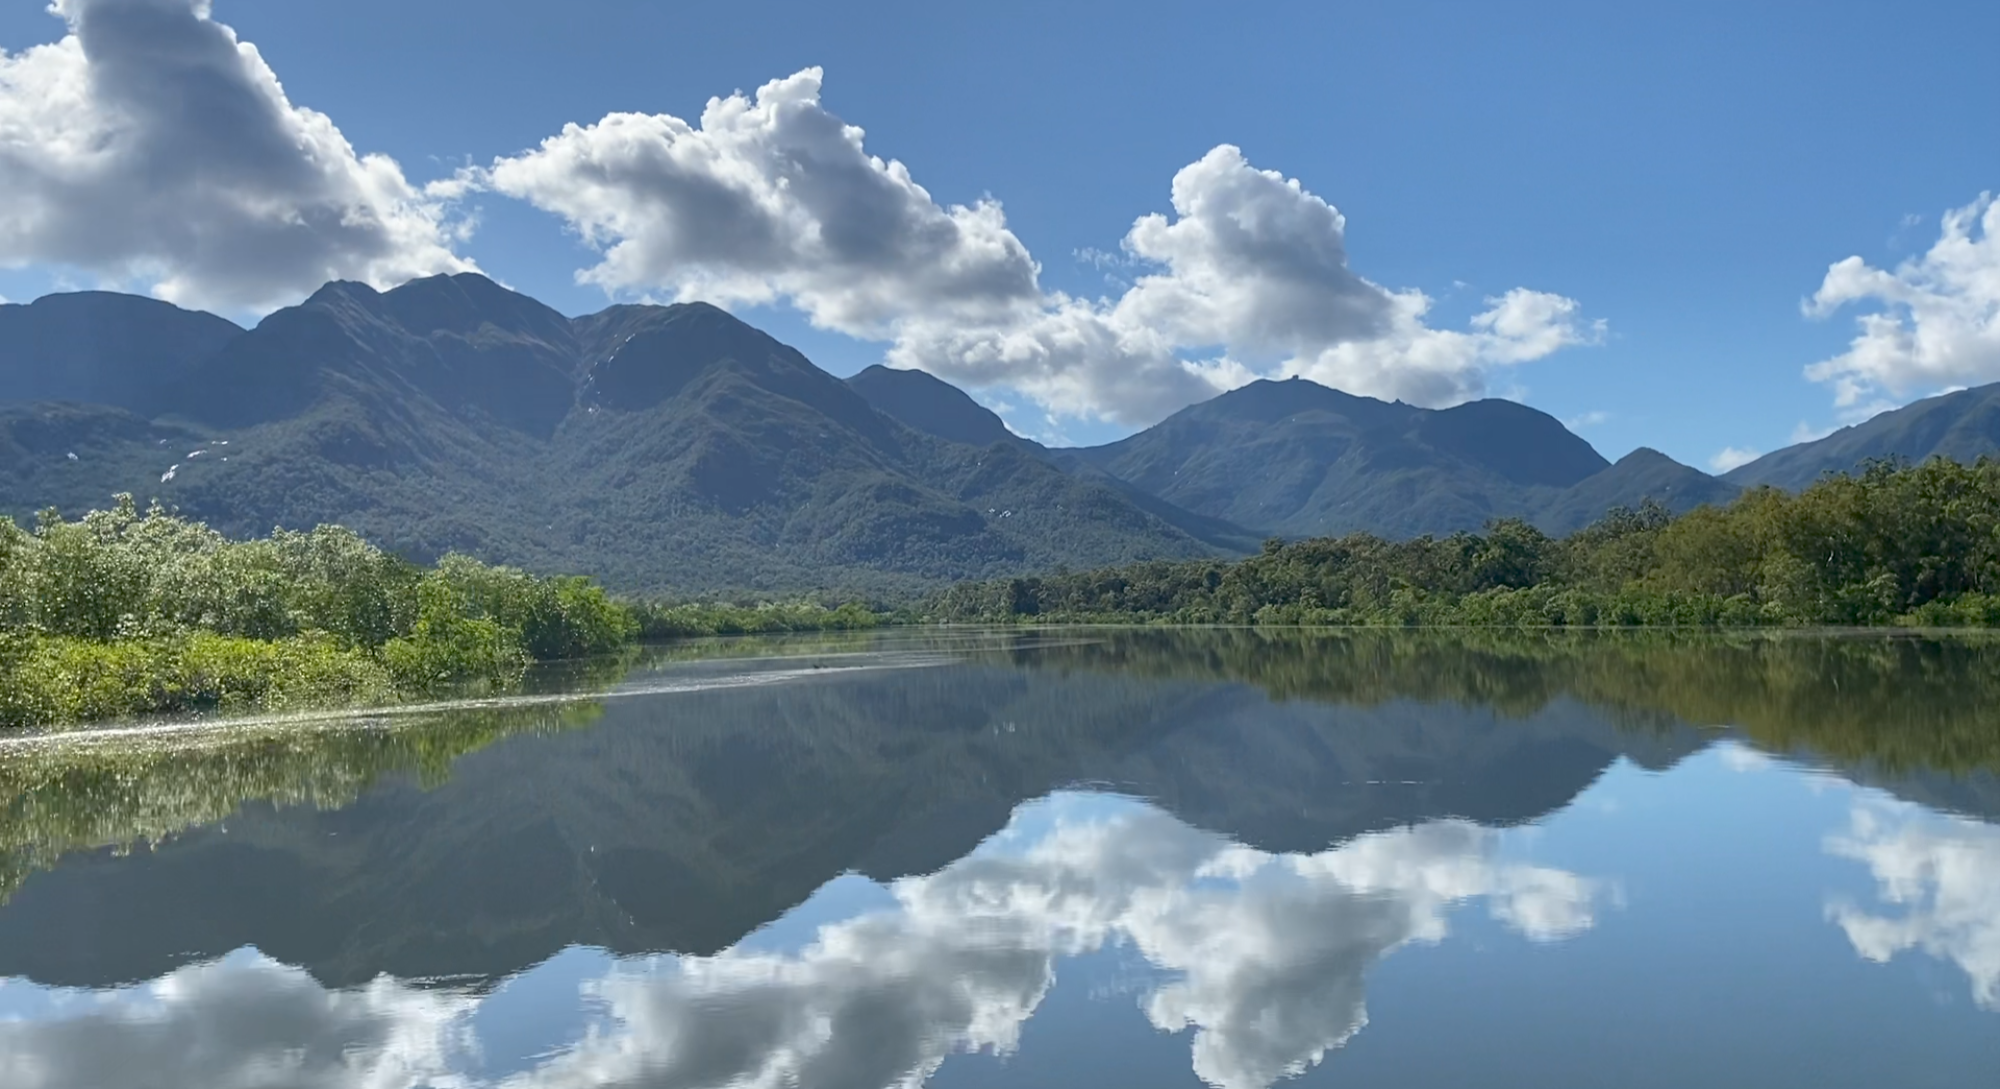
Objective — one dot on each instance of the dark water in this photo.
(1059, 859)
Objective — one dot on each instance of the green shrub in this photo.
(449, 647)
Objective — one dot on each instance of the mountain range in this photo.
(678, 450)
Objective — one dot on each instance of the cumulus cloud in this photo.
(241, 1024)
(775, 199)
(150, 144)
(1937, 322)
(1944, 875)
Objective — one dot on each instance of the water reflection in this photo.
(1939, 881)
(1262, 955)
(645, 890)
(1268, 954)
(243, 1023)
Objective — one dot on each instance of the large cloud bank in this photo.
(1937, 319)
(1263, 956)
(776, 199)
(150, 145)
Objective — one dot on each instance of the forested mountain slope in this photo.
(668, 449)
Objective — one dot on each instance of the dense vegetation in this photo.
(1893, 544)
(123, 612)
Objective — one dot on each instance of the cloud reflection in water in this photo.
(1944, 875)
(1265, 953)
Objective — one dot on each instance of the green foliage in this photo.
(450, 645)
(123, 613)
(1894, 544)
(554, 618)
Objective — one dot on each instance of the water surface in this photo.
(1071, 858)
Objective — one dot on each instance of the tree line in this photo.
(1893, 543)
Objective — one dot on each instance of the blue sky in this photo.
(1683, 174)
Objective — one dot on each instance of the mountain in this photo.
(1963, 426)
(1298, 459)
(102, 348)
(666, 449)
(678, 450)
(931, 405)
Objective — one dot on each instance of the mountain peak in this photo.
(636, 356)
(931, 405)
(461, 341)
(341, 291)
(1520, 444)
(1271, 399)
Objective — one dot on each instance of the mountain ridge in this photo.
(1297, 459)
(676, 449)
(667, 449)
(1963, 425)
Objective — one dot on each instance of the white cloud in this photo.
(1944, 872)
(1593, 418)
(150, 144)
(1732, 457)
(1938, 322)
(1806, 432)
(773, 198)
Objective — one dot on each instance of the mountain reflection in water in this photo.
(850, 877)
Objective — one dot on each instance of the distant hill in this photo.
(1645, 473)
(667, 449)
(102, 348)
(1297, 459)
(1963, 426)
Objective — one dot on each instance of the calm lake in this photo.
(1053, 859)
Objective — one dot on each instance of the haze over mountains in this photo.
(676, 449)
